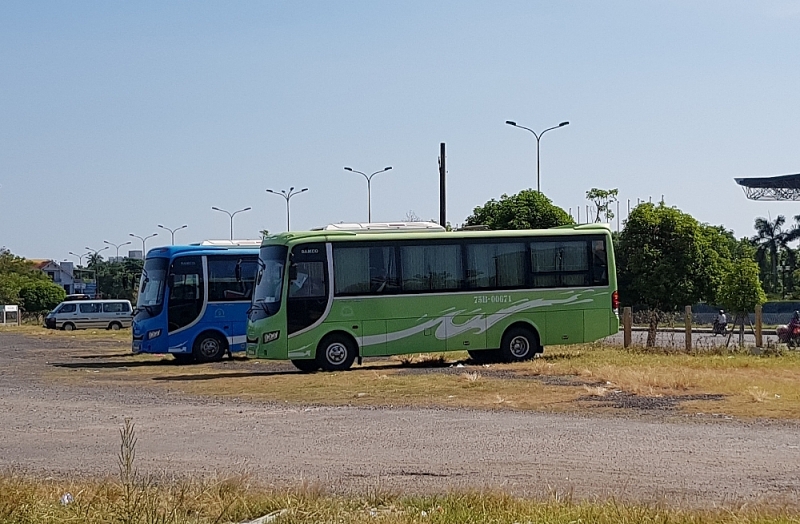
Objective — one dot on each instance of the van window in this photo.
(66, 308)
(90, 307)
(116, 307)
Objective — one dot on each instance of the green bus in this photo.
(324, 298)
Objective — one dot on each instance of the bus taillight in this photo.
(615, 301)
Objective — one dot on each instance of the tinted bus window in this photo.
(186, 293)
(226, 283)
(496, 266)
(364, 270)
(431, 267)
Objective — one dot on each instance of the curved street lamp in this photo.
(97, 293)
(172, 231)
(80, 257)
(144, 242)
(117, 246)
(538, 137)
(369, 187)
(230, 215)
(287, 196)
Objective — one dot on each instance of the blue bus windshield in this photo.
(153, 281)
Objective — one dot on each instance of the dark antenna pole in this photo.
(442, 194)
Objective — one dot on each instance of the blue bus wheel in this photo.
(208, 347)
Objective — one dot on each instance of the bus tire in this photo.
(183, 358)
(115, 326)
(306, 365)
(209, 347)
(68, 326)
(519, 343)
(336, 352)
(483, 356)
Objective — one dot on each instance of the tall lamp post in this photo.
(117, 246)
(287, 195)
(231, 215)
(369, 187)
(538, 138)
(172, 231)
(144, 242)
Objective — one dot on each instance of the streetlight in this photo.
(97, 293)
(172, 231)
(144, 242)
(230, 215)
(80, 257)
(369, 187)
(538, 137)
(287, 196)
(117, 246)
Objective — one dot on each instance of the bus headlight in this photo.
(271, 336)
(153, 334)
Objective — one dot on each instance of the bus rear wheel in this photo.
(518, 344)
(208, 347)
(306, 365)
(336, 352)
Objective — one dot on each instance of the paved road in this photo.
(700, 340)
(700, 461)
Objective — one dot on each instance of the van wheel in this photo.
(68, 326)
(518, 344)
(115, 326)
(306, 366)
(209, 347)
(336, 352)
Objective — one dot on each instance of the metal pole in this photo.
(369, 199)
(538, 178)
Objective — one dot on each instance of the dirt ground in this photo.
(54, 427)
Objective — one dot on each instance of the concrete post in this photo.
(688, 320)
(627, 321)
(759, 338)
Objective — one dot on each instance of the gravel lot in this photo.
(51, 428)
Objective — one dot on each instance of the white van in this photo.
(77, 314)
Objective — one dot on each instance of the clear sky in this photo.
(119, 116)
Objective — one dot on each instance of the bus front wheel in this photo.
(519, 343)
(336, 352)
(208, 347)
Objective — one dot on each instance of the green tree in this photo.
(15, 272)
(741, 290)
(602, 200)
(667, 260)
(40, 296)
(771, 238)
(528, 209)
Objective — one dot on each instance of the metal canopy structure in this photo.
(783, 187)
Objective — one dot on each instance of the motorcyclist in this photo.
(794, 324)
(721, 322)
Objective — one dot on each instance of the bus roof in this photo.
(204, 249)
(324, 235)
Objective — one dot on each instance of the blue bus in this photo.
(193, 300)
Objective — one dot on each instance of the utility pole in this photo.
(442, 192)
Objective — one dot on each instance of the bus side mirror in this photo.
(238, 271)
(292, 272)
(171, 280)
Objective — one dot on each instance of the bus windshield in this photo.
(152, 283)
(269, 282)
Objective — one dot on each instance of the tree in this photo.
(15, 272)
(741, 290)
(602, 200)
(40, 296)
(770, 239)
(528, 209)
(667, 260)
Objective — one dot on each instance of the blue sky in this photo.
(118, 116)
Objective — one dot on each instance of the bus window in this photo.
(226, 283)
(496, 266)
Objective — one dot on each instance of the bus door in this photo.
(308, 293)
(186, 293)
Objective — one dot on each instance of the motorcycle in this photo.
(719, 329)
(789, 335)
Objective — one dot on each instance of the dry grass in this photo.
(237, 499)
